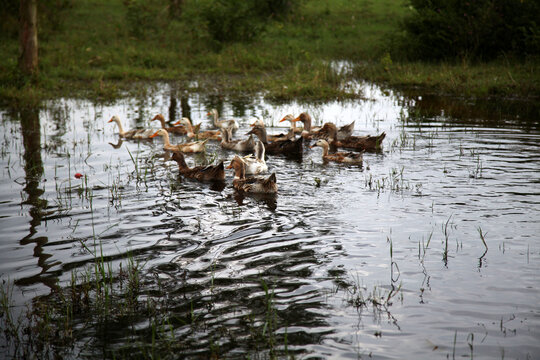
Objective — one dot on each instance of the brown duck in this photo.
(194, 131)
(277, 137)
(236, 145)
(319, 132)
(287, 147)
(340, 157)
(180, 130)
(200, 173)
(253, 184)
(367, 143)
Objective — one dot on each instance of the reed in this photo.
(482, 237)
(446, 233)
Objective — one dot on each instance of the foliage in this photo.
(144, 16)
(94, 54)
(51, 16)
(483, 29)
(235, 20)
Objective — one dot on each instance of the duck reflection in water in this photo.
(118, 145)
(270, 200)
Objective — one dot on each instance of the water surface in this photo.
(448, 172)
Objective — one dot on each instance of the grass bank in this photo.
(95, 54)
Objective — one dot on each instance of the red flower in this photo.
(78, 175)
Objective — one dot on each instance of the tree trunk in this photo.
(175, 8)
(28, 60)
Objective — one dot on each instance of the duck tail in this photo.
(380, 138)
(271, 179)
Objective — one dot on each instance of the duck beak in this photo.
(155, 117)
(296, 119)
(250, 132)
(229, 167)
(284, 119)
(154, 135)
(177, 123)
(110, 120)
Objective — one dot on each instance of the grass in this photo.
(94, 55)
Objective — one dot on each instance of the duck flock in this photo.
(248, 169)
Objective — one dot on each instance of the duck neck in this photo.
(225, 136)
(215, 114)
(262, 136)
(181, 162)
(162, 121)
(306, 120)
(324, 149)
(260, 152)
(239, 172)
(120, 128)
(166, 140)
(190, 128)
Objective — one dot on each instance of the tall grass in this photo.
(94, 53)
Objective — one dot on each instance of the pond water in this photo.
(382, 261)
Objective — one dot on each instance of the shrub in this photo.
(145, 17)
(482, 29)
(228, 21)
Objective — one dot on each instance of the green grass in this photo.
(94, 55)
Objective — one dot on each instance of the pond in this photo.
(431, 249)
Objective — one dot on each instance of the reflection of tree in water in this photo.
(239, 105)
(184, 105)
(33, 167)
(478, 111)
(172, 104)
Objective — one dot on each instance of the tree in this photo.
(28, 60)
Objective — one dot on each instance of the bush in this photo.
(228, 21)
(482, 29)
(144, 17)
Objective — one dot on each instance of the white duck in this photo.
(223, 124)
(131, 134)
(192, 147)
(256, 165)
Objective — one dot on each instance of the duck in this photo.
(253, 184)
(256, 165)
(200, 173)
(131, 134)
(287, 147)
(193, 131)
(340, 157)
(277, 137)
(290, 118)
(305, 118)
(180, 130)
(367, 143)
(236, 145)
(221, 124)
(192, 147)
(320, 132)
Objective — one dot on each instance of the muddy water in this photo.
(382, 261)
